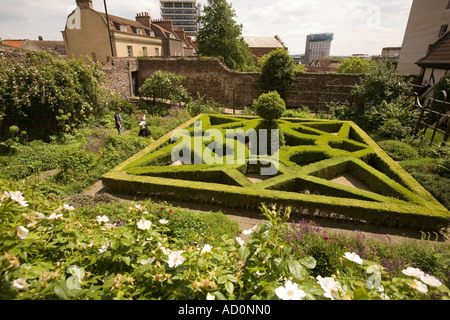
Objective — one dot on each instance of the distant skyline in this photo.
(359, 26)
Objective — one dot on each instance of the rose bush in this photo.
(50, 250)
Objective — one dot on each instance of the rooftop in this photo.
(264, 42)
(438, 53)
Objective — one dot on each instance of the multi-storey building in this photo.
(92, 33)
(318, 46)
(428, 22)
(183, 14)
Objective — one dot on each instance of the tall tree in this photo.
(278, 72)
(221, 35)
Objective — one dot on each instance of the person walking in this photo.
(143, 129)
(118, 120)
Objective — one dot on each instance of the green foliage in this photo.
(45, 94)
(302, 112)
(278, 72)
(162, 86)
(392, 120)
(328, 248)
(381, 84)
(75, 165)
(443, 85)
(270, 106)
(33, 158)
(399, 150)
(432, 176)
(52, 251)
(355, 65)
(345, 112)
(314, 152)
(200, 105)
(220, 35)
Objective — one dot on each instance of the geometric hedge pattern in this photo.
(330, 168)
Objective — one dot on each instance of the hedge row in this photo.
(303, 181)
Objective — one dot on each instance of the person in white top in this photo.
(144, 131)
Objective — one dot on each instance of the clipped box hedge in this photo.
(315, 153)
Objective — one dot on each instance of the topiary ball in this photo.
(270, 106)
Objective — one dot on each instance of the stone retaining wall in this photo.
(211, 79)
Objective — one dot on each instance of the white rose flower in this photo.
(290, 291)
(22, 232)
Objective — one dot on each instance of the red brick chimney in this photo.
(85, 4)
(144, 19)
(165, 23)
(180, 33)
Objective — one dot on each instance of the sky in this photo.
(359, 26)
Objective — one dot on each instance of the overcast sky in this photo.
(359, 26)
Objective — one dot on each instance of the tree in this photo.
(221, 36)
(164, 85)
(278, 72)
(355, 65)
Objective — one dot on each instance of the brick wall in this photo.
(210, 77)
(118, 75)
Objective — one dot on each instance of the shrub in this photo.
(278, 72)
(46, 94)
(398, 150)
(382, 83)
(270, 106)
(425, 171)
(75, 165)
(344, 112)
(392, 120)
(302, 112)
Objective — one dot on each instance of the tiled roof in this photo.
(14, 43)
(123, 21)
(438, 53)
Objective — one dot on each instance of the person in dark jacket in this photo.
(118, 121)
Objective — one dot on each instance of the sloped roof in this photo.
(124, 21)
(263, 42)
(438, 54)
(14, 43)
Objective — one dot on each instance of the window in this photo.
(130, 51)
(123, 28)
(443, 30)
(144, 51)
(139, 31)
(157, 52)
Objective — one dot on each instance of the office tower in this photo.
(183, 13)
(318, 46)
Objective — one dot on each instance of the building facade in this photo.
(183, 13)
(428, 21)
(436, 63)
(100, 36)
(318, 46)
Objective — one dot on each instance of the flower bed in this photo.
(52, 250)
(316, 152)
